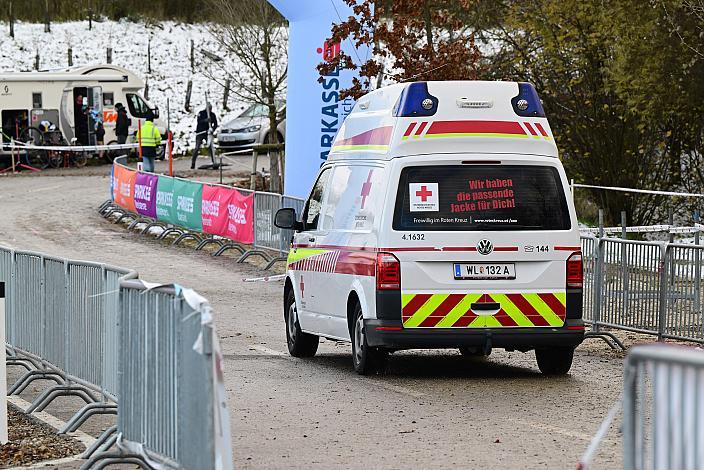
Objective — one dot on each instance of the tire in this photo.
(160, 152)
(468, 351)
(80, 159)
(56, 158)
(555, 361)
(36, 158)
(111, 155)
(365, 359)
(300, 344)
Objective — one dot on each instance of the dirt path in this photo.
(434, 408)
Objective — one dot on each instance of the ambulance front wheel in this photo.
(555, 361)
(366, 359)
(300, 344)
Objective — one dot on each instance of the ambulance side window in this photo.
(311, 215)
(352, 200)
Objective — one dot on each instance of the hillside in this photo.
(170, 61)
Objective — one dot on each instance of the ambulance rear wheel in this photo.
(300, 344)
(366, 359)
(554, 361)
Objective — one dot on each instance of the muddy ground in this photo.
(433, 408)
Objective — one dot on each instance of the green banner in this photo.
(165, 200)
(187, 201)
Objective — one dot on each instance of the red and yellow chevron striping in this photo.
(456, 310)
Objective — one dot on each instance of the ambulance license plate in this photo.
(485, 271)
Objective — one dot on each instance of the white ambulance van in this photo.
(442, 219)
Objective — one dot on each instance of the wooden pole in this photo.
(189, 89)
(70, 57)
(47, 21)
(12, 22)
(90, 16)
(36, 61)
(193, 57)
(253, 177)
(109, 55)
(226, 95)
(149, 56)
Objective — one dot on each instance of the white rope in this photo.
(71, 148)
(276, 277)
(633, 190)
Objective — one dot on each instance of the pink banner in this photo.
(228, 213)
(214, 209)
(240, 218)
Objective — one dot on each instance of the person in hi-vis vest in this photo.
(149, 138)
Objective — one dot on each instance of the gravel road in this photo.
(433, 408)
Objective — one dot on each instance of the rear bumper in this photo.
(390, 334)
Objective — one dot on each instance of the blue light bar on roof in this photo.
(415, 100)
(527, 103)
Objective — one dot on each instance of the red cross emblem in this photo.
(424, 193)
(302, 286)
(366, 188)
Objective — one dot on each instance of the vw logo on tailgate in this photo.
(485, 247)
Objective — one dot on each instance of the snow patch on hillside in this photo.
(170, 61)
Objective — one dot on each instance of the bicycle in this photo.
(34, 157)
(59, 157)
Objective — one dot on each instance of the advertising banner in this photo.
(164, 200)
(240, 218)
(228, 213)
(314, 112)
(145, 194)
(187, 203)
(214, 209)
(123, 187)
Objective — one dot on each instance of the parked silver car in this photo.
(250, 128)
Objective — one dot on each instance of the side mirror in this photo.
(286, 218)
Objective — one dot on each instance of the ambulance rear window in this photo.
(481, 197)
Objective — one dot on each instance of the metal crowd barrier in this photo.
(644, 286)
(149, 355)
(287, 235)
(173, 410)
(266, 235)
(663, 410)
(62, 325)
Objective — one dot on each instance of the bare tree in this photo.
(255, 37)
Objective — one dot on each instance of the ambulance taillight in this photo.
(575, 274)
(388, 272)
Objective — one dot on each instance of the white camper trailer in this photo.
(62, 98)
